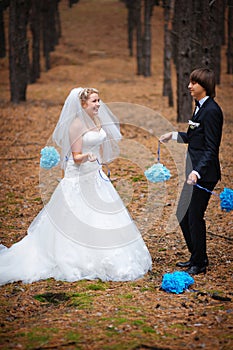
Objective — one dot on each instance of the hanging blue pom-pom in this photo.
(176, 282)
(49, 157)
(157, 173)
(226, 197)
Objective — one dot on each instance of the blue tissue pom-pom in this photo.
(226, 197)
(157, 173)
(176, 282)
(49, 157)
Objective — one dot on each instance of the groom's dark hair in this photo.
(206, 78)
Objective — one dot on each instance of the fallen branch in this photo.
(25, 158)
(56, 346)
(220, 236)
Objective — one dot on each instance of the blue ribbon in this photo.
(158, 152)
(226, 197)
(206, 189)
(108, 173)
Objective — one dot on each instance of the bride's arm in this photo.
(76, 139)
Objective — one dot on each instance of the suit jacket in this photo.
(204, 142)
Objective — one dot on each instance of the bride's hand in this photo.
(91, 157)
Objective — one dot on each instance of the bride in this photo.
(84, 231)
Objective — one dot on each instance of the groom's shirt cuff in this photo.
(196, 173)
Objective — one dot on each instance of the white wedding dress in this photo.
(84, 232)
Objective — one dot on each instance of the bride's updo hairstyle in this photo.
(86, 93)
(72, 109)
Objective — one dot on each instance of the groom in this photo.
(202, 166)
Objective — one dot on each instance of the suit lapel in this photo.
(197, 115)
(194, 115)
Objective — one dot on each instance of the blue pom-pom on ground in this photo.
(176, 282)
(49, 157)
(226, 198)
(157, 173)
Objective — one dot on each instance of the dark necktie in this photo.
(197, 106)
(197, 103)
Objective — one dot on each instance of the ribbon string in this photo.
(206, 189)
(226, 197)
(108, 173)
(158, 152)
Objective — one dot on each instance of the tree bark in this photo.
(139, 37)
(3, 5)
(196, 38)
(45, 33)
(216, 9)
(230, 38)
(131, 24)
(58, 21)
(35, 29)
(50, 27)
(184, 54)
(147, 37)
(53, 35)
(175, 32)
(2, 32)
(167, 83)
(18, 47)
(205, 56)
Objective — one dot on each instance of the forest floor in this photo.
(113, 315)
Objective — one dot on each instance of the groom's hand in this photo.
(192, 179)
(165, 137)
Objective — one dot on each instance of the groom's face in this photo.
(196, 90)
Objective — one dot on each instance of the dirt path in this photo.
(90, 314)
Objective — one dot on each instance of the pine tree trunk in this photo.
(196, 38)
(230, 38)
(131, 24)
(18, 46)
(184, 65)
(53, 37)
(167, 84)
(139, 37)
(216, 28)
(175, 32)
(209, 34)
(222, 21)
(58, 21)
(49, 14)
(147, 37)
(35, 29)
(2, 33)
(45, 33)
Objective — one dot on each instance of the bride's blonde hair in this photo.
(85, 94)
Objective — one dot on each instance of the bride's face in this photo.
(92, 105)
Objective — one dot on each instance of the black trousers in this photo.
(190, 214)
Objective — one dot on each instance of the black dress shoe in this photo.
(189, 263)
(195, 270)
(184, 263)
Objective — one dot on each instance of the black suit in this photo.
(203, 156)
